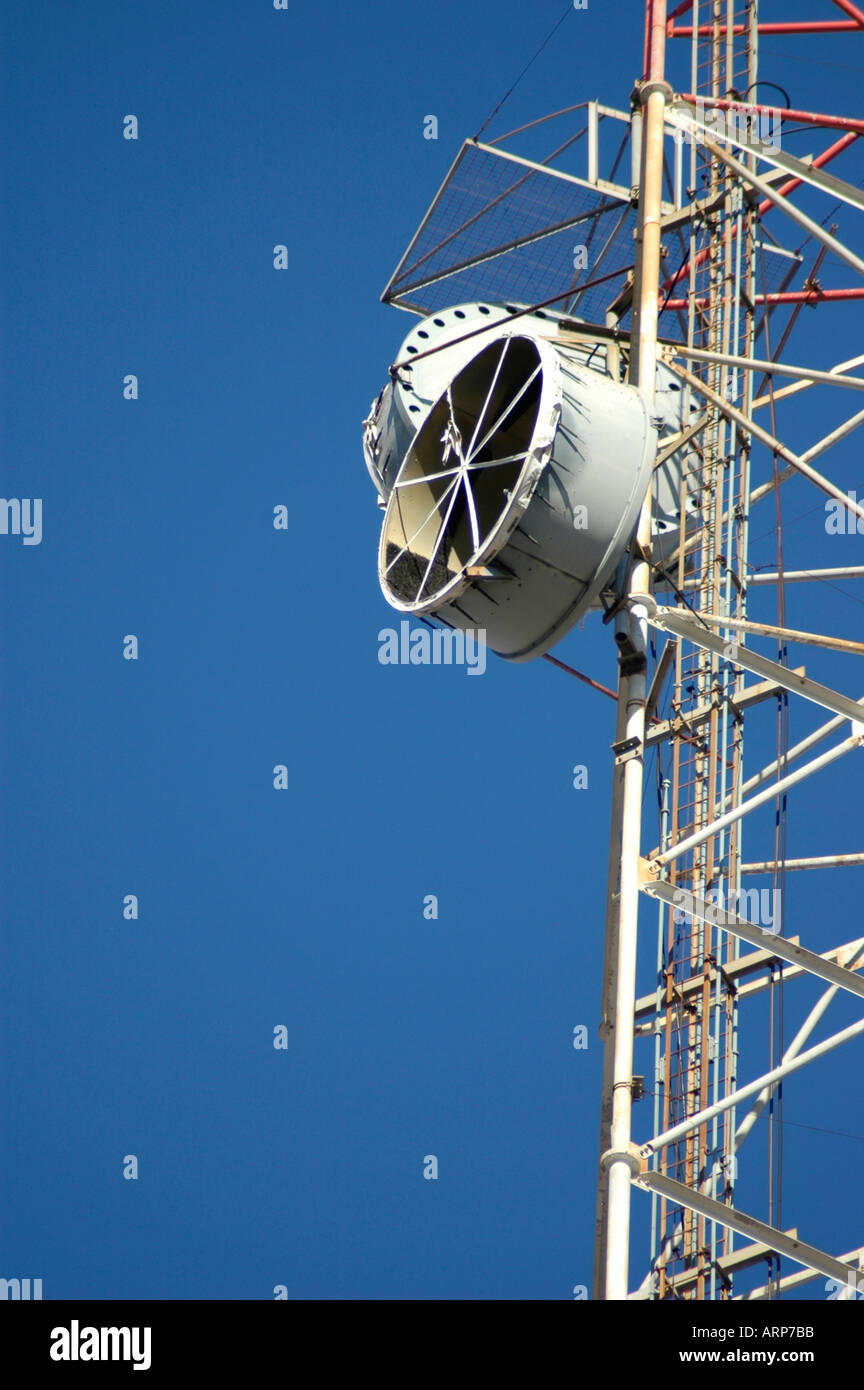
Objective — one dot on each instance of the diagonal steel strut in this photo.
(684, 624)
(749, 1226)
(748, 931)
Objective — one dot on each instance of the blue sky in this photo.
(303, 1167)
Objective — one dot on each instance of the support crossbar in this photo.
(748, 931)
(748, 1226)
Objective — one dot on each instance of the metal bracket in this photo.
(631, 661)
(632, 1156)
(626, 749)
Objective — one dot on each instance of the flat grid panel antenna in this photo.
(602, 385)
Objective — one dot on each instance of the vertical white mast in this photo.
(618, 1164)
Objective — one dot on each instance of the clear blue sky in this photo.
(258, 647)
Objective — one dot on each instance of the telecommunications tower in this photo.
(561, 434)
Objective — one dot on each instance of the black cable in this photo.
(685, 262)
(818, 1129)
(569, 10)
(777, 88)
(809, 60)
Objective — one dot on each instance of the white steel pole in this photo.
(805, 385)
(608, 999)
(756, 364)
(809, 639)
(619, 1162)
(804, 576)
(822, 861)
